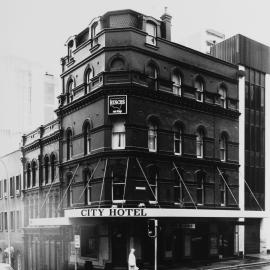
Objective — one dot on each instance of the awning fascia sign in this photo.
(160, 212)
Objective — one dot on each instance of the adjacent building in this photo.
(11, 210)
(146, 129)
(253, 59)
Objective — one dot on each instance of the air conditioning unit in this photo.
(18, 192)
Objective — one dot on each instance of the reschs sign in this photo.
(117, 104)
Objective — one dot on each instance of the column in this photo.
(241, 229)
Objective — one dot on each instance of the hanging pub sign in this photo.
(117, 105)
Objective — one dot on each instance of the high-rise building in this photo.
(27, 99)
(253, 59)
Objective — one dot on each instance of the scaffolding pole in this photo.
(104, 175)
(64, 195)
(185, 185)
(147, 181)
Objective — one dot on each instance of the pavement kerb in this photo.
(239, 266)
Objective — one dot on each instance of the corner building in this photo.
(147, 129)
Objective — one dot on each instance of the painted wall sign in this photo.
(117, 104)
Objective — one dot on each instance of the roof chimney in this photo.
(166, 19)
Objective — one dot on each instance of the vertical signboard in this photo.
(117, 105)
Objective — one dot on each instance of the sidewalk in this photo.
(249, 262)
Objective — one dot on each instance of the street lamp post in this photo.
(8, 211)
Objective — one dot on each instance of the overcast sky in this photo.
(37, 30)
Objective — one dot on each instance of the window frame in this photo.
(222, 91)
(46, 169)
(223, 148)
(69, 144)
(178, 141)
(178, 187)
(151, 37)
(200, 187)
(87, 138)
(119, 183)
(152, 137)
(200, 143)
(199, 90)
(177, 84)
(118, 139)
(154, 184)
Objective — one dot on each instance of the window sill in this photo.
(71, 62)
(95, 47)
(154, 47)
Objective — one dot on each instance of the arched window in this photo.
(69, 144)
(117, 64)
(118, 135)
(178, 191)
(152, 178)
(201, 176)
(87, 138)
(223, 96)
(70, 50)
(199, 85)
(223, 147)
(87, 195)
(200, 143)
(177, 81)
(118, 183)
(34, 173)
(46, 169)
(94, 30)
(69, 192)
(151, 30)
(223, 190)
(53, 167)
(152, 137)
(28, 175)
(89, 74)
(70, 87)
(178, 140)
(152, 73)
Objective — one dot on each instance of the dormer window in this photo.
(70, 50)
(94, 29)
(151, 30)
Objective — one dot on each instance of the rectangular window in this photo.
(5, 188)
(12, 221)
(222, 193)
(89, 189)
(1, 189)
(118, 184)
(118, 135)
(151, 30)
(11, 187)
(69, 197)
(1, 221)
(18, 220)
(18, 185)
(200, 189)
(178, 143)
(178, 193)
(5, 221)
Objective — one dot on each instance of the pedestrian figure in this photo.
(132, 260)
